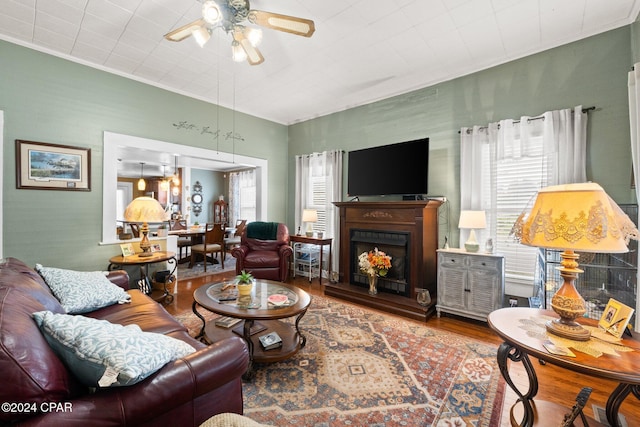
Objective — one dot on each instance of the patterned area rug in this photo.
(361, 368)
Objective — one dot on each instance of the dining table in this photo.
(196, 234)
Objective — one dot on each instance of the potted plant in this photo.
(245, 282)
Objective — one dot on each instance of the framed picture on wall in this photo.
(43, 166)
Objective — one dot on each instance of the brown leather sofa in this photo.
(264, 251)
(185, 392)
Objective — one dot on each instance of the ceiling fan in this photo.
(232, 16)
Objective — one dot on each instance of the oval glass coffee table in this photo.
(260, 316)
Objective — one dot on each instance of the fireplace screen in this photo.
(392, 243)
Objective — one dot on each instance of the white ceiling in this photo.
(362, 50)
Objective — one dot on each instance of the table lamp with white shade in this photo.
(472, 220)
(309, 216)
(573, 217)
(145, 210)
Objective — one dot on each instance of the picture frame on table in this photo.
(127, 249)
(615, 317)
(44, 166)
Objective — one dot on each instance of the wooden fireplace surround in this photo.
(419, 219)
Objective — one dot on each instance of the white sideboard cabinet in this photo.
(470, 284)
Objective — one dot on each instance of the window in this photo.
(318, 185)
(517, 181)
(504, 164)
(317, 199)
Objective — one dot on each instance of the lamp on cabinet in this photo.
(472, 220)
(573, 217)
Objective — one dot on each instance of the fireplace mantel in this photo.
(419, 221)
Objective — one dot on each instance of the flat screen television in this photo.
(400, 168)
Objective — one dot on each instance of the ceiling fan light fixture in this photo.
(230, 16)
(238, 52)
(201, 35)
(211, 12)
(254, 35)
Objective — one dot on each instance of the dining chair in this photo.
(213, 244)
(184, 242)
(135, 229)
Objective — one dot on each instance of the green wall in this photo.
(590, 72)
(49, 99)
(53, 100)
(213, 185)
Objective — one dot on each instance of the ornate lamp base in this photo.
(145, 245)
(570, 330)
(567, 302)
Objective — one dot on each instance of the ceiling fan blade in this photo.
(185, 31)
(286, 23)
(254, 56)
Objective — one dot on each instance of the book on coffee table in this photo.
(270, 341)
(226, 321)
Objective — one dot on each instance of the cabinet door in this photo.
(451, 287)
(484, 291)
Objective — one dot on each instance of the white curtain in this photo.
(302, 186)
(564, 135)
(477, 164)
(239, 208)
(634, 110)
(327, 165)
(503, 164)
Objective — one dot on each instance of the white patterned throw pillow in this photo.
(104, 354)
(82, 291)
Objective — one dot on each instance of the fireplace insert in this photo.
(393, 243)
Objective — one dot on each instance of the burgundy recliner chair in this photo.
(264, 251)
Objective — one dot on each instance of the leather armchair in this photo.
(264, 251)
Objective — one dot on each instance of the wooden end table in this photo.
(259, 315)
(169, 257)
(523, 339)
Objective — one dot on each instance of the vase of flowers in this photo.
(374, 264)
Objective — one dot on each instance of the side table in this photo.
(119, 261)
(523, 332)
(312, 241)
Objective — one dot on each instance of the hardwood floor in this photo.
(555, 384)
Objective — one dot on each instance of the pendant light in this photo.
(164, 184)
(176, 177)
(142, 184)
